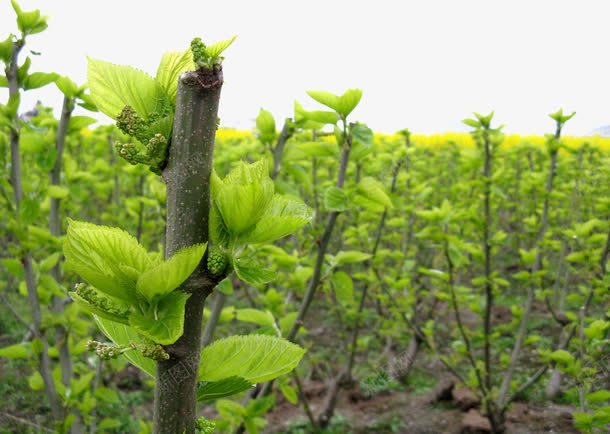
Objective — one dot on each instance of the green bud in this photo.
(217, 263)
(205, 426)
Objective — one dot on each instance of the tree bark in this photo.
(187, 177)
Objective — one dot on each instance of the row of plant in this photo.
(148, 243)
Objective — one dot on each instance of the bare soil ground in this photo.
(405, 412)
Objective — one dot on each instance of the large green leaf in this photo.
(169, 275)
(115, 86)
(124, 335)
(255, 358)
(163, 322)
(284, 216)
(209, 391)
(173, 64)
(107, 258)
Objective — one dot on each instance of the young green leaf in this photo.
(351, 257)
(259, 406)
(77, 123)
(169, 275)
(343, 104)
(318, 149)
(66, 86)
(17, 351)
(39, 79)
(6, 51)
(344, 288)
(29, 23)
(373, 191)
(335, 199)
(284, 216)
(328, 99)
(216, 49)
(315, 119)
(124, 335)
(265, 123)
(49, 262)
(173, 64)
(115, 86)
(163, 322)
(255, 316)
(243, 196)
(210, 391)
(289, 393)
(256, 358)
(252, 272)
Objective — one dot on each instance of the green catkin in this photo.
(99, 301)
(217, 262)
(130, 123)
(154, 351)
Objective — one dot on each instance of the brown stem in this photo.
(489, 296)
(285, 134)
(506, 382)
(58, 303)
(141, 182)
(458, 319)
(65, 360)
(314, 282)
(303, 398)
(187, 177)
(44, 367)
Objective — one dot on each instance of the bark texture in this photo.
(187, 177)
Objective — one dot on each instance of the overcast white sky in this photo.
(424, 65)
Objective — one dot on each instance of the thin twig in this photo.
(27, 422)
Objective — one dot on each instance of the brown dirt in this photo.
(417, 414)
